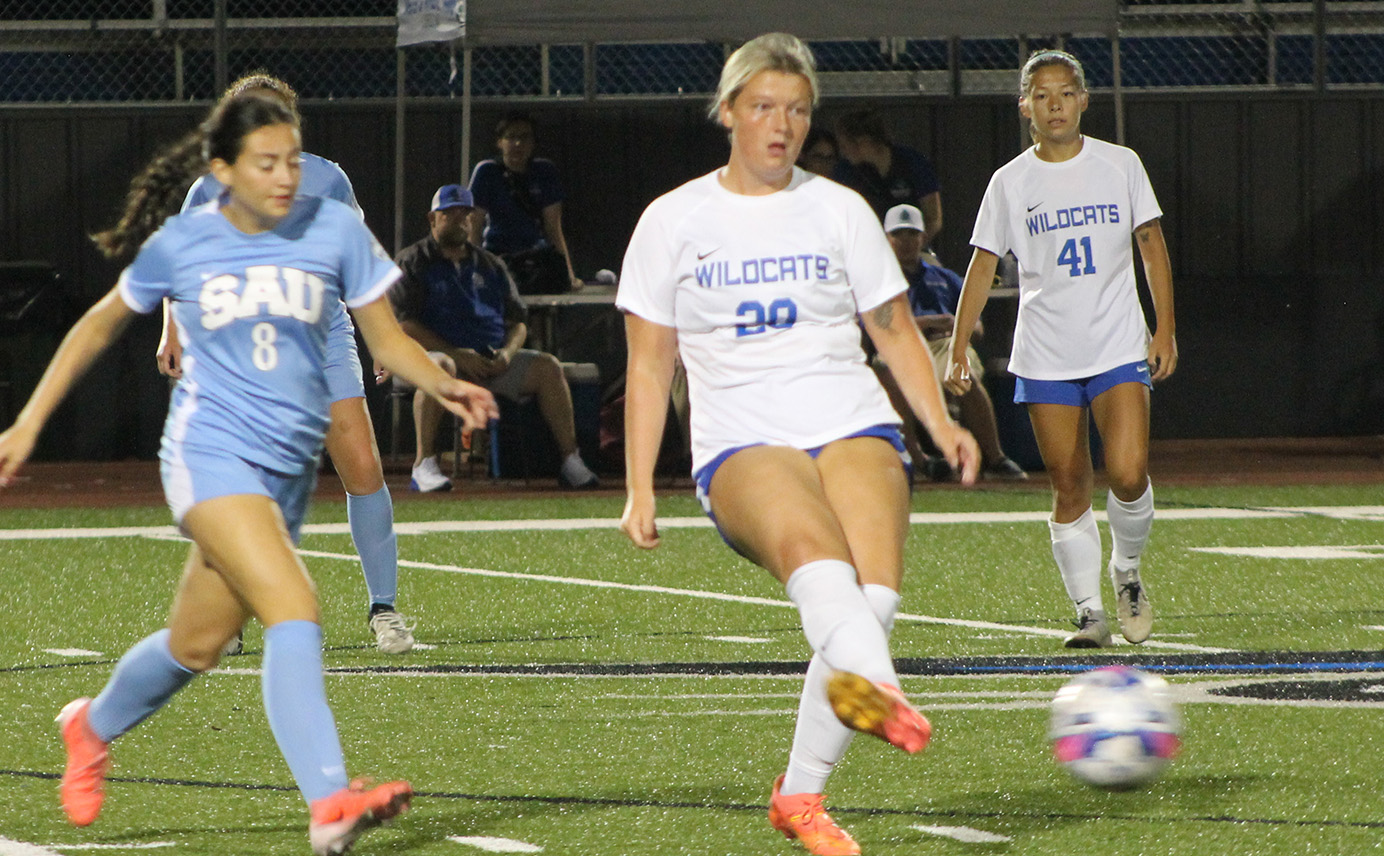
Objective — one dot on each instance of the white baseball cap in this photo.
(903, 217)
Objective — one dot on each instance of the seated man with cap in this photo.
(461, 304)
(933, 294)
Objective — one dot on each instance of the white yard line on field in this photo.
(9, 847)
(1335, 512)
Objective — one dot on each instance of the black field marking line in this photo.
(608, 802)
(724, 597)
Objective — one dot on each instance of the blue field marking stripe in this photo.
(1239, 662)
(1071, 668)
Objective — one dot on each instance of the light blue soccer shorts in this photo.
(1079, 392)
(198, 474)
(889, 433)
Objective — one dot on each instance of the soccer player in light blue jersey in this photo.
(1067, 207)
(351, 436)
(251, 278)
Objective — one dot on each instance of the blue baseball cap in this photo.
(452, 196)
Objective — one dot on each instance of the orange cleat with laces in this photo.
(83, 782)
(338, 820)
(802, 816)
(878, 709)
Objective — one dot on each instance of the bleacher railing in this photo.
(153, 51)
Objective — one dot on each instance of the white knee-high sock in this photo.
(1130, 524)
(819, 739)
(1076, 547)
(838, 621)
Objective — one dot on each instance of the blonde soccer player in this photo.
(758, 276)
(1067, 207)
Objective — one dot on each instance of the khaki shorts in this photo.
(511, 384)
(941, 354)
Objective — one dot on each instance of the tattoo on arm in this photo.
(1144, 233)
(884, 314)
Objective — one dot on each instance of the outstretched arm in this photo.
(401, 355)
(980, 276)
(91, 335)
(1158, 270)
(653, 350)
(892, 329)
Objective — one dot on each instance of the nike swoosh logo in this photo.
(701, 256)
(1031, 207)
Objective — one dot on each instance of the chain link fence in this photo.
(142, 51)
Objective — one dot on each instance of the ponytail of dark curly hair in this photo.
(156, 194)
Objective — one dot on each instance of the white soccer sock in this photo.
(1130, 524)
(838, 622)
(884, 603)
(819, 738)
(1076, 547)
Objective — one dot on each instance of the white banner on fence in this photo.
(423, 21)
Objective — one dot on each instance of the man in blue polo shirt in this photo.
(461, 305)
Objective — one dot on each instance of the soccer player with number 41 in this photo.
(1066, 207)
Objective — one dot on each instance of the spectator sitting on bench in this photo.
(461, 305)
(933, 292)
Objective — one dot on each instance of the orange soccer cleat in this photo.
(878, 709)
(802, 816)
(83, 782)
(338, 820)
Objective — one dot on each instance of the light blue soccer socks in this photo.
(372, 529)
(295, 701)
(1076, 547)
(143, 681)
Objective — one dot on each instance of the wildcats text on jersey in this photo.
(1077, 215)
(800, 268)
(269, 290)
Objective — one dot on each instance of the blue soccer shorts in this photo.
(889, 433)
(1080, 391)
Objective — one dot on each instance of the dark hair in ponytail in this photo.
(157, 192)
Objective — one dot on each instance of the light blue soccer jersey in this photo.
(253, 313)
(320, 177)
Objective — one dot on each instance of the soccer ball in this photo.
(1114, 727)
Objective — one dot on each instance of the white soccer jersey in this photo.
(1069, 225)
(764, 292)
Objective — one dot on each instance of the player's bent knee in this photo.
(200, 655)
(1129, 485)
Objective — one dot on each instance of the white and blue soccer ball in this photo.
(1115, 727)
